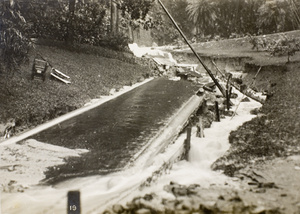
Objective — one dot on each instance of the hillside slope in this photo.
(94, 72)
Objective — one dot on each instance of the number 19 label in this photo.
(73, 202)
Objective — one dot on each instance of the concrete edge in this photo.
(69, 115)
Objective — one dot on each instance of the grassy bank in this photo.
(93, 71)
(275, 132)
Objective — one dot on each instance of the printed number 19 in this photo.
(73, 208)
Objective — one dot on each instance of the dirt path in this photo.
(274, 184)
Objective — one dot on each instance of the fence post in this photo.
(228, 95)
(217, 111)
(200, 130)
(188, 140)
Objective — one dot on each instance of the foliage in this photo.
(88, 22)
(14, 43)
(87, 25)
(117, 42)
(229, 18)
(273, 16)
(204, 14)
(138, 9)
(163, 31)
(282, 46)
(258, 42)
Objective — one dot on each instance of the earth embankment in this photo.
(93, 71)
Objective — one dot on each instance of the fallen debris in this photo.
(60, 76)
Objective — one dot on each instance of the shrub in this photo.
(284, 46)
(258, 42)
(117, 42)
(14, 44)
(50, 19)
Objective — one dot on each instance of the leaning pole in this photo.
(193, 50)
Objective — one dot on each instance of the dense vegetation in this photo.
(75, 22)
(231, 18)
(95, 23)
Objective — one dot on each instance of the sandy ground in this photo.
(23, 164)
(274, 184)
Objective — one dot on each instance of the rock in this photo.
(233, 96)
(11, 168)
(261, 190)
(259, 209)
(20, 188)
(255, 111)
(246, 99)
(148, 197)
(209, 207)
(107, 212)
(221, 197)
(297, 168)
(200, 92)
(112, 91)
(262, 209)
(182, 212)
(208, 118)
(141, 79)
(154, 45)
(267, 185)
(117, 208)
(143, 211)
(229, 113)
(188, 203)
(235, 199)
(9, 128)
(137, 202)
(169, 204)
(168, 188)
(11, 182)
(193, 189)
(180, 191)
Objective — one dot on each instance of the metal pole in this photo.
(195, 53)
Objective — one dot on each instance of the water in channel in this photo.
(116, 130)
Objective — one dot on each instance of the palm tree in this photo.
(203, 14)
(273, 15)
(295, 9)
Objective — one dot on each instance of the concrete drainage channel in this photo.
(152, 160)
(158, 157)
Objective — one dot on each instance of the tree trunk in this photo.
(70, 30)
(114, 18)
